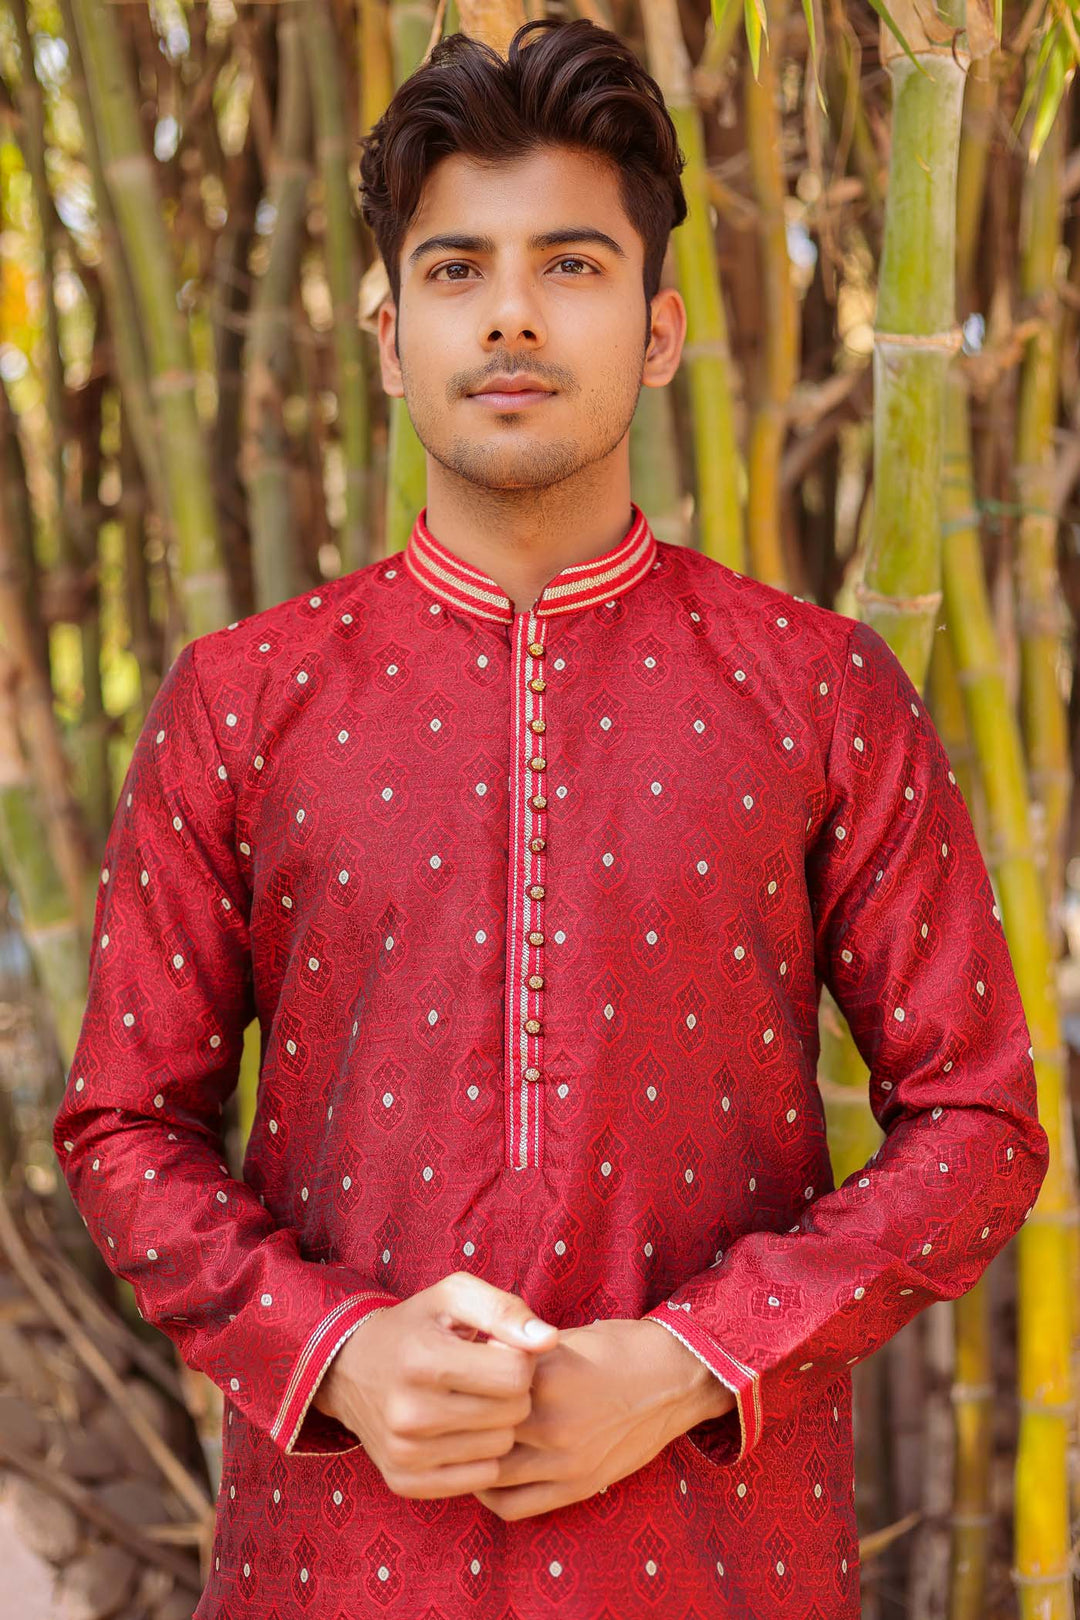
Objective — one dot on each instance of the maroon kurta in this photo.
(533, 910)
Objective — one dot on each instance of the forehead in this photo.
(544, 187)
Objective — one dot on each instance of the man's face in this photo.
(570, 314)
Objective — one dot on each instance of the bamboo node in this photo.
(950, 341)
(171, 382)
(1062, 1409)
(1052, 1579)
(902, 604)
(971, 1392)
(716, 348)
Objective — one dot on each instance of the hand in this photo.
(605, 1400)
(434, 1411)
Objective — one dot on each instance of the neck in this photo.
(522, 538)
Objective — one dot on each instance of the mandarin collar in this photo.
(581, 585)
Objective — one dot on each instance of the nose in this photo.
(512, 314)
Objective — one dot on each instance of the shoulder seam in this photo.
(206, 711)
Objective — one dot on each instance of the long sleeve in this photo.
(909, 940)
(138, 1134)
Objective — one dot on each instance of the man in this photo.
(530, 848)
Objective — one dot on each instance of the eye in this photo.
(454, 264)
(573, 259)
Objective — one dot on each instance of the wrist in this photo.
(697, 1393)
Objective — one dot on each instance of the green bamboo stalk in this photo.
(914, 338)
(1041, 618)
(1045, 1303)
(654, 465)
(59, 815)
(780, 327)
(406, 460)
(129, 358)
(332, 147)
(719, 472)
(980, 103)
(268, 355)
(129, 176)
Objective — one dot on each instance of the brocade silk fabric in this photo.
(533, 910)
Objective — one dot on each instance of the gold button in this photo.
(537, 684)
(538, 801)
(537, 725)
(536, 648)
(531, 1026)
(537, 844)
(535, 981)
(536, 938)
(532, 1074)
(537, 764)
(536, 891)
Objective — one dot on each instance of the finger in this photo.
(466, 1298)
(445, 1411)
(425, 1452)
(457, 1365)
(524, 1501)
(464, 1479)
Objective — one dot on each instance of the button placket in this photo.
(526, 892)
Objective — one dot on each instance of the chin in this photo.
(490, 467)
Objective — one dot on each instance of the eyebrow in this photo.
(456, 243)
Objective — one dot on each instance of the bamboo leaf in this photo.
(1058, 70)
(756, 26)
(811, 29)
(720, 9)
(1034, 77)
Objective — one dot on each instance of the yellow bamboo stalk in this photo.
(376, 63)
(406, 461)
(780, 325)
(492, 21)
(1041, 618)
(719, 471)
(1043, 1252)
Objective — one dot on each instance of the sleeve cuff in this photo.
(716, 1437)
(300, 1429)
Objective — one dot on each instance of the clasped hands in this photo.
(524, 1424)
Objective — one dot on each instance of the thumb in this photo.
(501, 1315)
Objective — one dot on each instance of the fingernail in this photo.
(535, 1329)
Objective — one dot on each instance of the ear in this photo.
(388, 360)
(666, 339)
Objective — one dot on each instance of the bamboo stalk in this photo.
(780, 324)
(980, 104)
(64, 856)
(268, 356)
(406, 459)
(1043, 1251)
(48, 924)
(493, 21)
(719, 471)
(1040, 616)
(654, 465)
(914, 339)
(375, 60)
(342, 271)
(128, 348)
(130, 180)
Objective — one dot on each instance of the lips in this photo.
(512, 392)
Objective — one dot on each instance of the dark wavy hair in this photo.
(575, 85)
